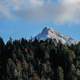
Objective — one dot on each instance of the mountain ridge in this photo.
(50, 33)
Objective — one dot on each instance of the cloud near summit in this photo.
(45, 10)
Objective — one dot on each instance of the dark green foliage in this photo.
(39, 60)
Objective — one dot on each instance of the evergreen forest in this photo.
(39, 60)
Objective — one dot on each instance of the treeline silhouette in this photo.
(39, 60)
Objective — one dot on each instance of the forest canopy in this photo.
(39, 60)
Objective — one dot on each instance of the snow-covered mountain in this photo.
(49, 33)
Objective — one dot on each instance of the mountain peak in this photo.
(48, 30)
(49, 33)
(45, 29)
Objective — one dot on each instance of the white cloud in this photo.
(72, 10)
(5, 12)
(64, 11)
(37, 2)
(71, 1)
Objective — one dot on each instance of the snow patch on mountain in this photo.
(49, 33)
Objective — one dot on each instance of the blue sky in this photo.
(26, 18)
